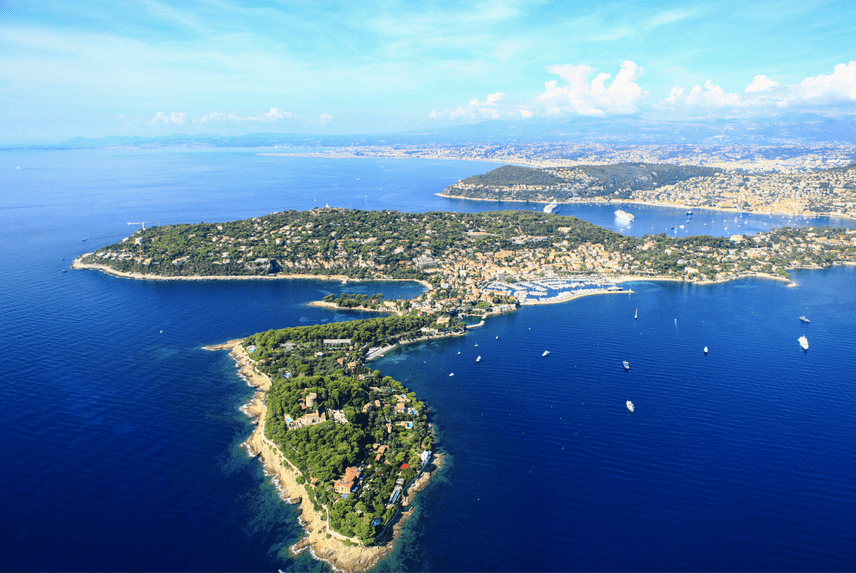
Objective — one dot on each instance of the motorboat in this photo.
(626, 365)
(631, 407)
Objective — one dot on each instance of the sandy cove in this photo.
(332, 551)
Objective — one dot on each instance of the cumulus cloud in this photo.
(834, 93)
(325, 118)
(594, 98)
(487, 109)
(273, 115)
(176, 118)
(761, 83)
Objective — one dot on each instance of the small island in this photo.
(350, 445)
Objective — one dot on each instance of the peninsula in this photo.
(459, 256)
(813, 193)
(350, 445)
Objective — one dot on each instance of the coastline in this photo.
(331, 306)
(76, 264)
(381, 351)
(323, 543)
(647, 204)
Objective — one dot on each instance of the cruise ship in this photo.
(624, 215)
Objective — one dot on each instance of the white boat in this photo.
(546, 352)
(624, 216)
(804, 319)
(803, 342)
(630, 406)
(705, 349)
(637, 314)
(626, 365)
(451, 374)
(478, 359)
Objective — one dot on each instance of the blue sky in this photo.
(128, 67)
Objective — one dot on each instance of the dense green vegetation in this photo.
(346, 300)
(359, 244)
(644, 175)
(364, 412)
(513, 175)
(617, 180)
(429, 246)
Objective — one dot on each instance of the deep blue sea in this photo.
(120, 435)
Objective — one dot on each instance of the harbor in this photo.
(552, 290)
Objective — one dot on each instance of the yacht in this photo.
(478, 359)
(546, 352)
(637, 314)
(630, 406)
(705, 349)
(624, 215)
(804, 319)
(451, 374)
(626, 365)
(803, 342)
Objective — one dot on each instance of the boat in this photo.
(637, 314)
(705, 349)
(478, 359)
(803, 342)
(626, 365)
(546, 352)
(804, 319)
(497, 338)
(624, 215)
(630, 406)
(451, 373)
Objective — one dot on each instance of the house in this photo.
(347, 483)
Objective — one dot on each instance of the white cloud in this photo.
(273, 115)
(176, 118)
(487, 109)
(325, 118)
(825, 94)
(579, 96)
(761, 83)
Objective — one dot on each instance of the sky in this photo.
(153, 67)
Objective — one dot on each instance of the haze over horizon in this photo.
(226, 67)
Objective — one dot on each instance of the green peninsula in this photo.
(350, 444)
(459, 255)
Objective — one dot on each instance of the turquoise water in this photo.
(121, 436)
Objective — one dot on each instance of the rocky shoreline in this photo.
(322, 543)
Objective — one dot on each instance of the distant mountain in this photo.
(622, 130)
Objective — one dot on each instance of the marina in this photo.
(551, 290)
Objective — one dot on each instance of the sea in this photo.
(121, 436)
